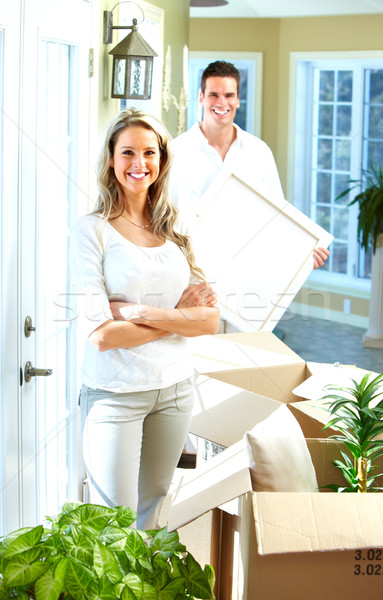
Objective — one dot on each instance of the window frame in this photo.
(297, 166)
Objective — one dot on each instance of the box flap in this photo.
(258, 362)
(293, 522)
(224, 412)
(325, 374)
(315, 410)
(212, 353)
(249, 246)
(221, 479)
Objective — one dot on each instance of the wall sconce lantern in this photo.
(132, 61)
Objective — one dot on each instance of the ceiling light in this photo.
(207, 3)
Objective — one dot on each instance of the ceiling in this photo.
(288, 8)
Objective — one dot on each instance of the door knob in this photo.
(30, 371)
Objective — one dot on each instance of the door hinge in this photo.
(91, 62)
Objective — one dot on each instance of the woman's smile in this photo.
(136, 159)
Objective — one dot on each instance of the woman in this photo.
(133, 274)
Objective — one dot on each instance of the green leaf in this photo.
(170, 591)
(135, 546)
(77, 579)
(49, 586)
(104, 562)
(69, 506)
(149, 592)
(24, 542)
(145, 564)
(91, 516)
(197, 583)
(4, 595)
(81, 548)
(210, 576)
(20, 572)
(114, 537)
(125, 516)
(165, 543)
(128, 594)
(101, 590)
(134, 583)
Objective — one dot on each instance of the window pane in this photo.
(325, 119)
(326, 86)
(375, 122)
(324, 188)
(342, 155)
(376, 83)
(323, 217)
(375, 153)
(324, 153)
(55, 165)
(365, 263)
(341, 223)
(342, 184)
(339, 257)
(343, 120)
(344, 86)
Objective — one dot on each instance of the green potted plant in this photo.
(91, 552)
(370, 201)
(356, 412)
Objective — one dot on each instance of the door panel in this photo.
(53, 133)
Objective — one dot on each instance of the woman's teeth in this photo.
(137, 175)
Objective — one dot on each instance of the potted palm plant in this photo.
(91, 552)
(370, 231)
(370, 201)
(356, 411)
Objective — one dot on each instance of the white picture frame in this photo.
(256, 250)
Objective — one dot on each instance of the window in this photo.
(338, 132)
(248, 115)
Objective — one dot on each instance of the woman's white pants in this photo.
(132, 443)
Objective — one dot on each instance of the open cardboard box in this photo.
(293, 546)
(260, 372)
(273, 545)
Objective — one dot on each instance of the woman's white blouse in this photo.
(105, 266)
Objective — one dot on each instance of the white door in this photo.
(45, 171)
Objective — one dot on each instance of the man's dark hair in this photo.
(220, 68)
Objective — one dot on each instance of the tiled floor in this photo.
(325, 341)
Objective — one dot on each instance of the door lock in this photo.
(30, 371)
(28, 327)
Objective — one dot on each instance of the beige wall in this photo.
(276, 38)
(176, 35)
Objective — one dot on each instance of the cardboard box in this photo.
(293, 546)
(260, 372)
(263, 365)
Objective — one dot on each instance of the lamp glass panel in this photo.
(137, 77)
(119, 76)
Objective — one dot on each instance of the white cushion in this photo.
(278, 454)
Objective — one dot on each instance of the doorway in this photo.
(44, 166)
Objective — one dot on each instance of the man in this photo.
(217, 144)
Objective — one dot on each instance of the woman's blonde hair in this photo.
(162, 211)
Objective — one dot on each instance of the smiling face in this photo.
(220, 101)
(136, 159)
